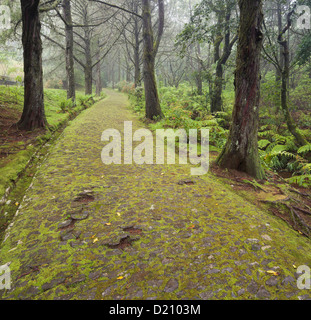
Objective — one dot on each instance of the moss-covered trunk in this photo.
(33, 115)
(71, 87)
(241, 150)
(153, 107)
(221, 60)
(216, 94)
(88, 68)
(285, 68)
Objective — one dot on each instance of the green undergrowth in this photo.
(184, 109)
(279, 152)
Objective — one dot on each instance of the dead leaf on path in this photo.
(95, 240)
(120, 278)
(274, 273)
(108, 224)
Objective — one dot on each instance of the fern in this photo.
(302, 181)
(304, 149)
(278, 149)
(307, 168)
(262, 144)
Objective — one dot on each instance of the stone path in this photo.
(86, 230)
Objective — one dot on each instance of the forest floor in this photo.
(86, 230)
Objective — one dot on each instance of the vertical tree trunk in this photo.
(241, 150)
(153, 108)
(216, 96)
(281, 55)
(136, 54)
(88, 78)
(71, 87)
(284, 84)
(33, 113)
(98, 73)
(198, 77)
(88, 54)
(216, 93)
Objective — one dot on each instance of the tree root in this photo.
(297, 220)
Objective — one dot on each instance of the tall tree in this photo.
(153, 107)
(221, 32)
(223, 27)
(71, 88)
(279, 56)
(33, 115)
(241, 149)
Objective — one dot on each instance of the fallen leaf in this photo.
(108, 224)
(273, 272)
(192, 227)
(93, 236)
(120, 278)
(95, 240)
(16, 203)
(119, 214)
(295, 267)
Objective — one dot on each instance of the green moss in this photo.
(192, 234)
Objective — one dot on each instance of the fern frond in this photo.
(304, 149)
(262, 144)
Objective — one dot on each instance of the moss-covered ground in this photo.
(86, 230)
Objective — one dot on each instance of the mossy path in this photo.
(86, 230)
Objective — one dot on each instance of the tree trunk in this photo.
(98, 73)
(216, 95)
(136, 55)
(33, 113)
(88, 69)
(198, 77)
(153, 108)
(71, 87)
(285, 80)
(88, 79)
(241, 150)
(281, 55)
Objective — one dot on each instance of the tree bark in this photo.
(136, 54)
(88, 68)
(153, 107)
(98, 73)
(71, 87)
(216, 94)
(241, 150)
(198, 78)
(33, 115)
(284, 84)
(281, 55)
